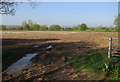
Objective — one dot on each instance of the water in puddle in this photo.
(49, 47)
(21, 64)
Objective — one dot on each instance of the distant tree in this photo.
(92, 29)
(111, 28)
(55, 28)
(24, 23)
(3, 27)
(78, 27)
(62, 28)
(103, 28)
(75, 27)
(99, 28)
(26, 27)
(43, 27)
(83, 27)
(68, 29)
(36, 27)
(30, 23)
(107, 29)
(18, 28)
(10, 28)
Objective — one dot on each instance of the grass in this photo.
(98, 62)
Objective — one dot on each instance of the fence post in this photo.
(110, 47)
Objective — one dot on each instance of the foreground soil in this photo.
(53, 64)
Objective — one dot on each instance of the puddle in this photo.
(21, 64)
(49, 47)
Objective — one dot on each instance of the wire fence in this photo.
(110, 49)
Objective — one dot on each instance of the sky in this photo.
(65, 13)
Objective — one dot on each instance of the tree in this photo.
(92, 29)
(68, 29)
(75, 27)
(78, 27)
(24, 23)
(107, 29)
(99, 28)
(10, 28)
(30, 23)
(8, 6)
(117, 23)
(43, 28)
(116, 20)
(36, 27)
(3, 27)
(111, 28)
(83, 27)
(18, 28)
(55, 28)
(26, 27)
(116, 28)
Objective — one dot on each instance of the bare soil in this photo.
(53, 64)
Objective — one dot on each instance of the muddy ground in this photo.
(52, 64)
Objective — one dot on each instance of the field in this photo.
(16, 44)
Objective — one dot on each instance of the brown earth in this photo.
(53, 64)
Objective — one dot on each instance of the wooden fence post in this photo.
(110, 47)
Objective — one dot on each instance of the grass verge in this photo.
(98, 62)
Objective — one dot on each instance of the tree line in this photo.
(82, 27)
(30, 26)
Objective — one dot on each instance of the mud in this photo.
(53, 64)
